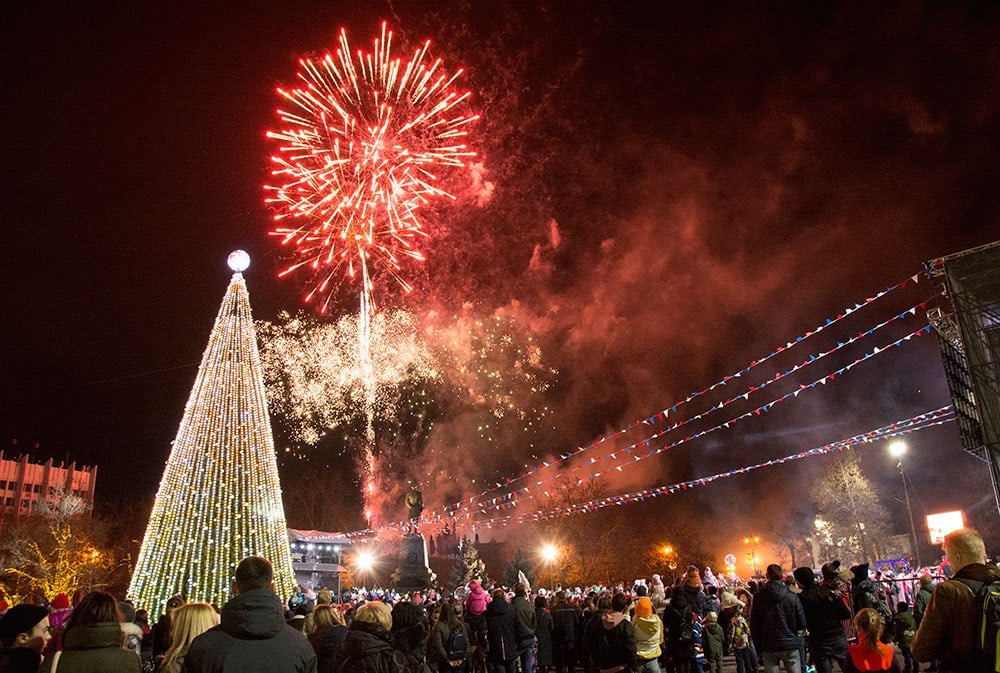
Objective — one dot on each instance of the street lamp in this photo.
(549, 554)
(896, 450)
(753, 541)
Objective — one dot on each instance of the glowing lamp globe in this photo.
(897, 449)
(238, 261)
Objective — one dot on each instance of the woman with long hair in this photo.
(93, 640)
(870, 654)
(188, 622)
(325, 630)
(438, 653)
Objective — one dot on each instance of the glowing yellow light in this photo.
(550, 553)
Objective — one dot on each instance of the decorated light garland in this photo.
(922, 421)
(812, 359)
(663, 414)
(510, 500)
(219, 499)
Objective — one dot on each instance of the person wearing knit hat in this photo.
(714, 637)
(825, 614)
(648, 635)
(24, 633)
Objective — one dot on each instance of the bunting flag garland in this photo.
(907, 426)
(642, 449)
(724, 381)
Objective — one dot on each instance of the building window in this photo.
(9, 502)
(37, 488)
(27, 487)
(3, 484)
(24, 504)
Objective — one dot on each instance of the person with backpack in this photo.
(959, 625)
(615, 647)
(678, 618)
(449, 645)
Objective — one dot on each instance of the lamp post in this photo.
(549, 554)
(897, 449)
(753, 541)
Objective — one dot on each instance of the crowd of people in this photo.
(802, 621)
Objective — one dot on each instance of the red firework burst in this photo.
(363, 143)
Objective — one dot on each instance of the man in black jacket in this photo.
(616, 648)
(252, 636)
(525, 613)
(775, 621)
(565, 624)
(501, 634)
(825, 612)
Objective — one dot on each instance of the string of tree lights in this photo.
(219, 499)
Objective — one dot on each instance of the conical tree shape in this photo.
(219, 500)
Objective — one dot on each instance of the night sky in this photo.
(678, 190)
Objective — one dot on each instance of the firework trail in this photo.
(490, 370)
(363, 142)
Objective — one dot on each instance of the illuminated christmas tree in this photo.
(219, 500)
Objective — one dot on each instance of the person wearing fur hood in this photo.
(648, 636)
(477, 599)
(616, 650)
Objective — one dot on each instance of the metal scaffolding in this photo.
(968, 329)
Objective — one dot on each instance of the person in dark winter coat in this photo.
(615, 648)
(923, 597)
(326, 631)
(252, 635)
(775, 621)
(501, 635)
(714, 637)
(864, 593)
(565, 625)
(525, 613)
(24, 633)
(677, 618)
(437, 649)
(368, 647)
(825, 614)
(93, 640)
(409, 635)
(543, 634)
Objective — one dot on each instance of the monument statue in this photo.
(413, 573)
(414, 506)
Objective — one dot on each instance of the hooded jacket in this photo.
(648, 636)
(776, 618)
(501, 632)
(95, 648)
(367, 648)
(251, 637)
(616, 642)
(475, 603)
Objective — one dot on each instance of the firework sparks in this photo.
(315, 374)
(362, 150)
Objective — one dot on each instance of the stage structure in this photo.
(968, 331)
(219, 500)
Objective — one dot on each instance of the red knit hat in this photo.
(60, 602)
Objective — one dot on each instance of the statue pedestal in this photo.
(413, 573)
